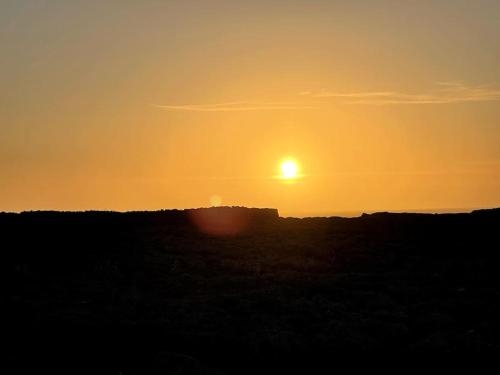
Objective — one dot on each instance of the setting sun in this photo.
(289, 169)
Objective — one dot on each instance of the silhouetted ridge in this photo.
(253, 217)
(489, 212)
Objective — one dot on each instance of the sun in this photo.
(289, 169)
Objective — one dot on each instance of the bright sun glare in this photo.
(289, 169)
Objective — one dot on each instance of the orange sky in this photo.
(150, 105)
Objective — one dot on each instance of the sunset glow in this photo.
(176, 104)
(248, 186)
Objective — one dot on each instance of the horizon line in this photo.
(322, 214)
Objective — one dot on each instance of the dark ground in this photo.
(148, 292)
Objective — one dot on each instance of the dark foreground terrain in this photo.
(240, 291)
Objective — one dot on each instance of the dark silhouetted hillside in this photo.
(243, 291)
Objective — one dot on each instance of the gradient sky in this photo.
(130, 105)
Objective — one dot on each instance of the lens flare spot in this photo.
(215, 200)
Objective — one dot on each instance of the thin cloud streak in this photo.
(235, 106)
(444, 93)
(448, 92)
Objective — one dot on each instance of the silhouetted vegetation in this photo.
(151, 292)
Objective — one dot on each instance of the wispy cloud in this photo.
(235, 106)
(445, 92)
